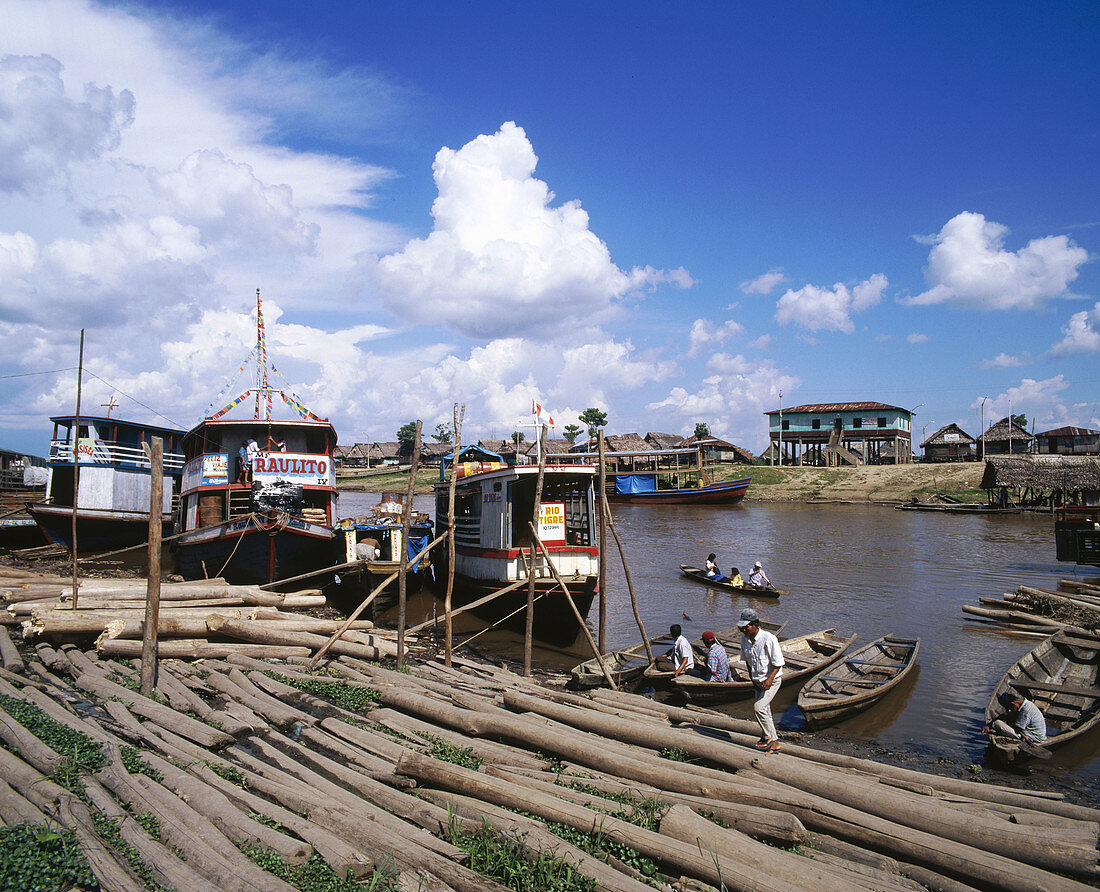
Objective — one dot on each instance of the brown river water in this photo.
(871, 570)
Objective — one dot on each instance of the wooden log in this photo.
(886, 804)
(109, 866)
(279, 714)
(16, 809)
(166, 868)
(9, 656)
(33, 751)
(155, 451)
(270, 635)
(156, 712)
(681, 823)
(198, 649)
(682, 856)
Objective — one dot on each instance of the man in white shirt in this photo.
(761, 653)
(758, 577)
(681, 655)
(1022, 719)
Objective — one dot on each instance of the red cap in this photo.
(708, 636)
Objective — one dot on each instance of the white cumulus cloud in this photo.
(705, 334)
(969, 267)
(765, 283)
(502, 259)
(1006, 361)
(1081, 334)
(917, 337)
(821, 309)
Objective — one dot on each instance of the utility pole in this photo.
(984, 398)
(781, 428)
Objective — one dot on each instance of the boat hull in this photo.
(727, 493)
(863, 679)
(1060, 675)
(751, 591)
(97, 529)
(245, 553)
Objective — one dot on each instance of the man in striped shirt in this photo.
(718, 664)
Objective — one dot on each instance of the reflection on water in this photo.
(865, 569)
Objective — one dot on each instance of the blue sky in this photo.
(672, 213)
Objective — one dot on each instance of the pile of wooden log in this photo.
(241, 744)
(1073, 606)
(201, 619)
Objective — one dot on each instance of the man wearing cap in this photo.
(757, 576)
(1026, 719)
(764, 659)
(718, 663)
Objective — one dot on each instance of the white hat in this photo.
(758, 564)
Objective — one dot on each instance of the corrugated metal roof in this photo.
(1069, 432)
(838, 407)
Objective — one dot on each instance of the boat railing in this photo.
(108, 452)
(468, 530)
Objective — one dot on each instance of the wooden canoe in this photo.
(625, 665)
(804, 656)
(758, 591)
(724, 637)
(1060, 676)
(857, 681)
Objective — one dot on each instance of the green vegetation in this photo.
(702, 430)
(132, 762)
(227, 772)
(352, 697)
(406, 434)
(316, 876)
(448, 752)
(107, 828)
(34, 858)
(677, 755)
(507, 862)
(593, 419)
(81, 752)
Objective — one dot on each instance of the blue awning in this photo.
(627, 484)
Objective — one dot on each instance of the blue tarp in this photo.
(628, 484)
(416, 545)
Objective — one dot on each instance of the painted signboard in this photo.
(552, 523)
(293, 467)
(206, 470)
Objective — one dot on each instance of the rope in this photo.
(509, 616)
(254, 519)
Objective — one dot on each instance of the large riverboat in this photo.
(115, 485)
(666, 477)
(259, 493)
(494, 506)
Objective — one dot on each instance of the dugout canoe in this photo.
(804, 656)
(1060, 675)
(857, 681)
(724, 637)
(759, 591)
(625, 665)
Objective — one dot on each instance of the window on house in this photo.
(857, 422)
(816, 424)
(882, 422)
(786, 425)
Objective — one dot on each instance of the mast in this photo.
(262, 387)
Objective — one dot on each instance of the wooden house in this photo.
(950, 443)
(1005, 438)
(1069, 441)
(663, 441)
(717, 451)
(1041, 481)
(834, 434)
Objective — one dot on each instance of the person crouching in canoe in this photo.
(679, 658)
(735, 578)
(1022, 719)
(712, 570)
(718, 661)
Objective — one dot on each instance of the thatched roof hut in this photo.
(1032, 480)
(949, 443)
(663, 441)
(1004, 437)
(628, 443)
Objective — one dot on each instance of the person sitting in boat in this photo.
(758, 578)
(711, 568)
(680, 658)
(1021, 718)
(735, 578)
(718, 662)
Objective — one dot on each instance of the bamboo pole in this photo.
(569, 597)
(603, 550)
(406, 522)
(459, 417)
(155, 451)
(529, 625)
(74, 448)
(468, 607)
(629, 584)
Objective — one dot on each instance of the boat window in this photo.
(468, 516)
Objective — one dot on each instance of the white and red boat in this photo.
(494, 506)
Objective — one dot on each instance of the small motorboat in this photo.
(804, 656)
(1060, 676)
(758, 591)
(857, 681)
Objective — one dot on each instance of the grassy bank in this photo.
(876, 483)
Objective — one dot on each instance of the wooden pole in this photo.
(629, 584)
(569, 597)
(155, 451)
(406, 522)
(603, 550)
(76, 460)
(459, 417)
(529, 628)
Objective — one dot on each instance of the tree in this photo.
(442, 434)
(517, 437)
(1020, 420)
(701, 430)
(593, 419)
(406, 434)
(571, 431)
